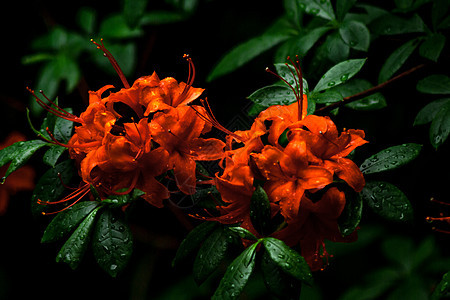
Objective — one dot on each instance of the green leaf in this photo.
(112, 242)
(133, 10)
(260, 213)
(237, 275)
(278, 282)
(372, 102)
(158, 17)
(65, 221)
(62, 129)
(320, 8)
(245, 52)
(18, 154)
(49, 187)
(242, 233)
(387, 200)
(193, 241)
(116, 27)
(86, 18)
(351, 215)
(73, 250)
(288, 259)
(442, 288)
(397, 59)
(439, 12)
(399, 250)
(342, 7)
(389, 24)
(429, 112)
(211, 253)
(432, 47)
(287, 73)
(121, 200)
(325, 97)
(293, 12)
(355, 34)
(273, 95)
(434, 84)
(301, 44)
(52, 155)
(390, 158)
(440, 126)
(339, 74)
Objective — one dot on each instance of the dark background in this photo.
(29, 268)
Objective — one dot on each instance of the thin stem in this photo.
(370, 91)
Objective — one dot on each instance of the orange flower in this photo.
(316, 222)
(20, 180)
(288, 175)
(328, 149)
(178, 131)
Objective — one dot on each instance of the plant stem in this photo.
(370, 91)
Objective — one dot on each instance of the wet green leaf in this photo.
(429, 112)
(320, 8)
(112, 242)
(397, 59)
(355, 34)
(242, 233)
(440, 126)
(277, 281)
(434, 84)
(351, 215)
(387, 200)
(339, 74)
(288, 73)
(390, 158)
(432, 47)
(211, 253)
(115, 26)
(73, 250)
(237, 275)
(193, 241)
(52, 155)
(273, 95)
(65, 221)
(342, 7)
(260, 213)
(289, 260)
(18, 154)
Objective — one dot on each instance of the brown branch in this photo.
(370, 91)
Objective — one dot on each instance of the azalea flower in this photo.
(20, 180)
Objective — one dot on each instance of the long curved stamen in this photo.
(298, 77)
(190, 80)
(79, 194)
(213, 121)
(113, 62)
(57, 111)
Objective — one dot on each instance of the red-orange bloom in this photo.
(20, 180)
(316, 222)
(328, 149)
(288, 175)
(178, 131)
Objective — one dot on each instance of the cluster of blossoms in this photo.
(129, 138)
(300, 161)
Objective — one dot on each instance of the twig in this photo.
(370, 91)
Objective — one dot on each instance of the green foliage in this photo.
(112, 242)
(260, 213)
(74, 248)
(237, 275)
(390, 158)
(339, 74)
(351, 215)
(387, 200)
(442, 288)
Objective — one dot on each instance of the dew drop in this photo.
(113, 267)
(344, 77)
(331, 83)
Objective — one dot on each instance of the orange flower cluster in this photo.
(128, 138)
(298, 159)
